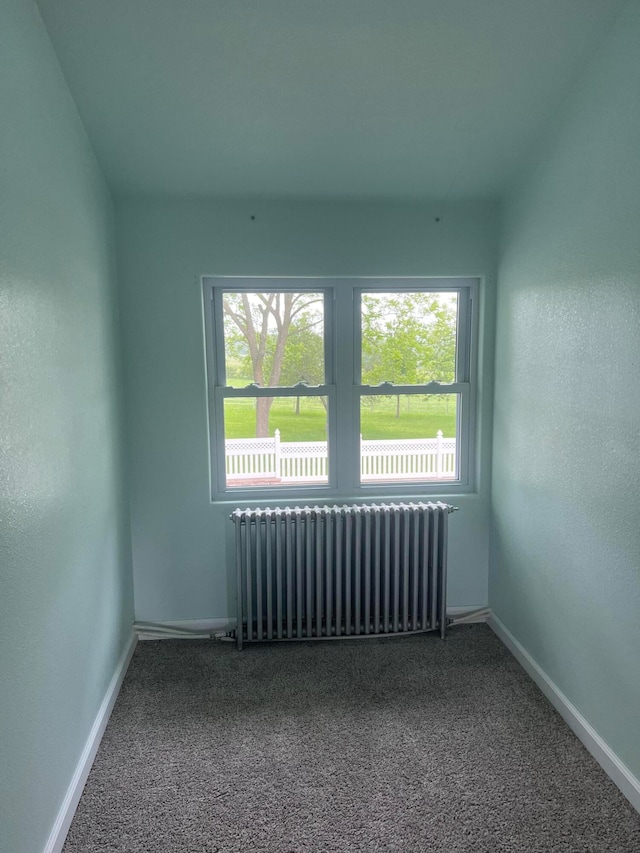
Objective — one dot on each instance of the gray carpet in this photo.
(408, 744)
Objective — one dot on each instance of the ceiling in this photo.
(321, 98)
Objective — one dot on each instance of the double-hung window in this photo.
(346, 387)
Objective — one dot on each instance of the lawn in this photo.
(420, 417)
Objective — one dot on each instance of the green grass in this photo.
(239, 381)
(419, 418)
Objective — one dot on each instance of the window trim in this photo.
(343, 389)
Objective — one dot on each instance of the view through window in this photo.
(279, 417)
(408, 339)
(275, 339)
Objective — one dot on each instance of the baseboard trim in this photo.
(69, 805)
(615, 769)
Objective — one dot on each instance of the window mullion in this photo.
(344, 441)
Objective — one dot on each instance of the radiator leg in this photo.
(238, 586)
(442, 540)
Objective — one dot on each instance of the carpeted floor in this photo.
(408, 744)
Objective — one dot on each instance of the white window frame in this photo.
(342, 388)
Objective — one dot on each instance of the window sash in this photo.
(253, 391)
(463, 327)
(221, 455)
(218, 449)
(462, 386)
(463, 417)
(261, 286)
(222, 391)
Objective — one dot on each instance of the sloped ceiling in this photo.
(321, 98)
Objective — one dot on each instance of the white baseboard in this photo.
(69, 805)
(219, 625)
(615, 769)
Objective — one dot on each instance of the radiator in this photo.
(311, 573)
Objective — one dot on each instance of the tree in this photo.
(304, 358)
(407, 339)
(267, 329)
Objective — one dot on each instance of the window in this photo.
(346, 387)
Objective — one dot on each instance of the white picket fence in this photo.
(408, 458)
(272, 460)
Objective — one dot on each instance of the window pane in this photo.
(409, 338)
(273, 338)
(275, 441)
(408, 438)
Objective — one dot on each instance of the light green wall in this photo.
(66, 597)
(182, 557)
(565, 561)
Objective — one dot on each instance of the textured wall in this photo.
(565, 576)
(183, 563)
(65, 601)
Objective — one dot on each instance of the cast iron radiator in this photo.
(311, 573)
